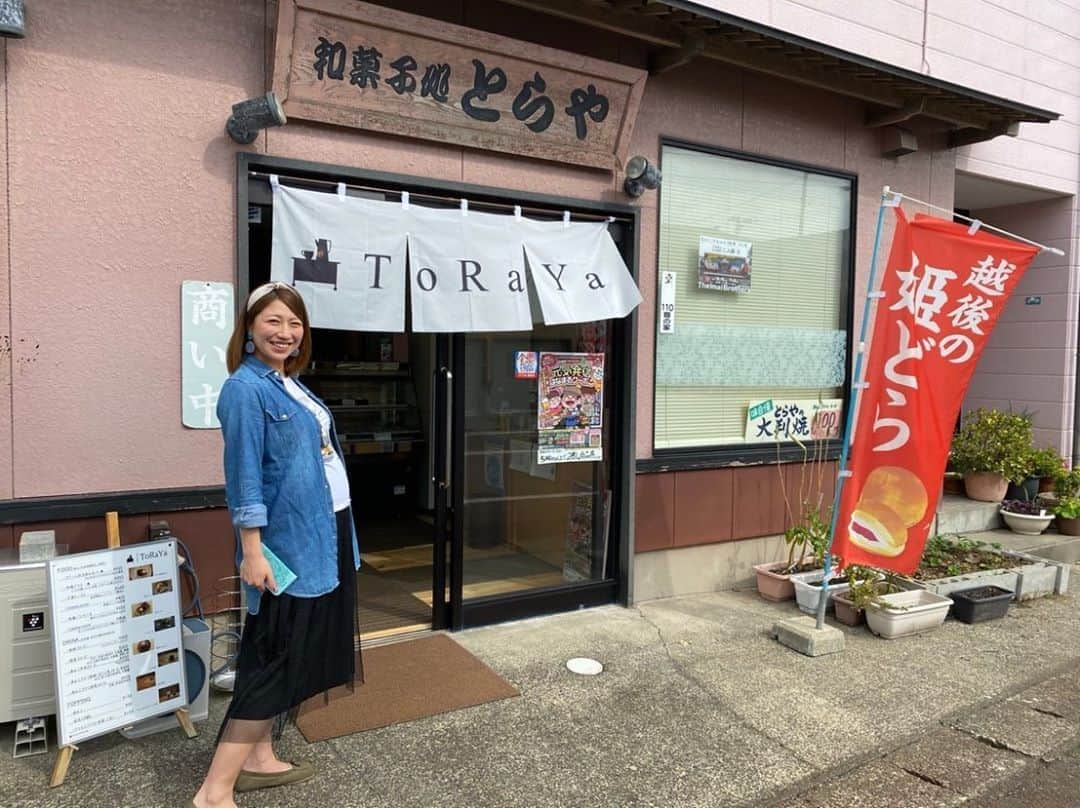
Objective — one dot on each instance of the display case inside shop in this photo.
(378, 425)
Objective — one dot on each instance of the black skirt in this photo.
(296, 648)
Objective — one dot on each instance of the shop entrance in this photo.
(460, 521)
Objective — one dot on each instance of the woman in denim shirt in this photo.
(287, 491)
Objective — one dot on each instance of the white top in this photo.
(336, 477)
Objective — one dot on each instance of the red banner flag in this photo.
(943, 291)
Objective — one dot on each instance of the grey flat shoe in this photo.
(251, 781)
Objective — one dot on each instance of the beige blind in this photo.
(782, 339)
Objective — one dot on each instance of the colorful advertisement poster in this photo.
(724, 265)
(784, 420)
(586, 541)
(570, 407)
(525, 364)
(944, 289)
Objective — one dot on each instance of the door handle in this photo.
(447, 435)
(431, 454)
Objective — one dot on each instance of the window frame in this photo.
(738, 454)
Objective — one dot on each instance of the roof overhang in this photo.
(682, 31)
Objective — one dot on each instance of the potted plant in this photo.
(1067, 511)
(808, 588)
(1024, 484)
(1027, 517)
(808, 535)
(806, 543)
(863, 584)
(1047, 464)
(991, 448)
(980, 603)
(1066, 484)
(900, 614)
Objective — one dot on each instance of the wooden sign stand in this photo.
(63, 759)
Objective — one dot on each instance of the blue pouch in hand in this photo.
(283, 576)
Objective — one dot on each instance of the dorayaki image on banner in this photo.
(944, 289)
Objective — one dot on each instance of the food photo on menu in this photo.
(142, 646)
(164, 623)
(143, 571)
(145, 681)
(143, 607)
(161, 587)
(168, 657)
(168, 693)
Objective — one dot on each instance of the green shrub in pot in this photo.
(994, 442)
(1067, 511)
(1046, 463)
(1067, 483)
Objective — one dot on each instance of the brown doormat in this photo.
(403, 682)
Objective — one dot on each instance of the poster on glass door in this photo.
(570, 407)
(724, 264)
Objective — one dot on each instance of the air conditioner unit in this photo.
(26, 639)
(195, 640)
(27, 683)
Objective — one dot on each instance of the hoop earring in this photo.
(296, 352)
(249, 346)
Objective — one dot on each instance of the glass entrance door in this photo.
(525, 529)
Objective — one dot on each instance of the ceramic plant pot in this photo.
(1026, 525)
(773, 585)
(953, 483)
(980, 604)
(1028, 489)
(901, 614)
(985, 486)
(1069, 527)
(808, 589)
(846, 612)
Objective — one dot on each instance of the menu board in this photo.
(116, 650)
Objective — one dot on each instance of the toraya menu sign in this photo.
(359, 65)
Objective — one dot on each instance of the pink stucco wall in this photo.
(6, 424)
(1030, 360)
(121, 184)
(1017, 49)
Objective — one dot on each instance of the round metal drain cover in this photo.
(584, 666)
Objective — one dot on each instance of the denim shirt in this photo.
(274, 478)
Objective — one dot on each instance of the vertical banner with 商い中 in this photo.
(570, 409)
(206, 322)
(943, 291)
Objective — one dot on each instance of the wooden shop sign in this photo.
(355, 64)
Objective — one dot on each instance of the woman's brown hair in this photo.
(234, 356)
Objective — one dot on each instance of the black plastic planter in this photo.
(981, 603)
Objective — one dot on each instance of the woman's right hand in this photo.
(255, 571)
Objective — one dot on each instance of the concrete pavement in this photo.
(697, 706)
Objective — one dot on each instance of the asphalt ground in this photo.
(697, 706)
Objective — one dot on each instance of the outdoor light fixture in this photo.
(248, 117)
(641, 176)
(12, 19)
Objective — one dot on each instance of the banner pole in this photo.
(849, 416)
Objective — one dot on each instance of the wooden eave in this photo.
(681, 30)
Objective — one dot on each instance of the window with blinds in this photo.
(777, 241)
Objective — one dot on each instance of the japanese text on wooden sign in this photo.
(368, 67)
